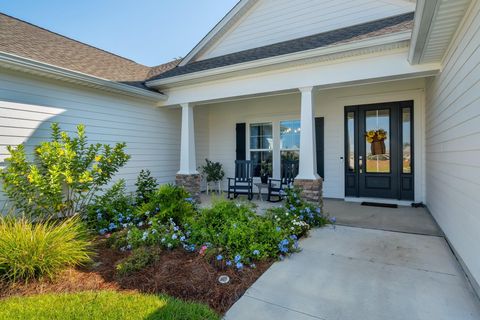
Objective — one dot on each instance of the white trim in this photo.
(353, 48)
(425, 13)
(14, 62)
(220, 29)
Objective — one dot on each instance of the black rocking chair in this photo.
(243, 181)
(276, 187)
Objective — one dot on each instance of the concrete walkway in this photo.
(356, 273)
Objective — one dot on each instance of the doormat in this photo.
(377, 204)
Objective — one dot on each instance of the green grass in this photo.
(104, 305)
(34, 250)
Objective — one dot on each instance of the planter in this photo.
(264, 178)
(378, 148)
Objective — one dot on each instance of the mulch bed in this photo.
(177, 273)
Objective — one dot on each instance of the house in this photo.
(280, 79)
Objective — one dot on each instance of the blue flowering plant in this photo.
(168, 235)
(112, 211)
(296, 210)
(237, 237)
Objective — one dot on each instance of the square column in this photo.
(308, 180)
(188, 176)
(308, 156)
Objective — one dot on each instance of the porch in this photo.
(273, 126)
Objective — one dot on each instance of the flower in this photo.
(256, 252)
(102, 231)
(228, 263)
(253, 265)
(145, 236)
(333, 220)
(239, 265)
(219, 257)
(174, 236)
(182, 238)
(278, 229)
(237, 258)
(140, 224)
(203, 249)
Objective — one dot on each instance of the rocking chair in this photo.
(276, 187)
(243, 181)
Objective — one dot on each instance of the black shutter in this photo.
(320, 144)
(241, 141)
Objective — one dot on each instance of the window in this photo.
(289, 140)
(406, 140)
(261, 146)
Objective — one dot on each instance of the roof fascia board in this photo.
(221, 27)
(424, 15)
(15, 62)
(307, 54)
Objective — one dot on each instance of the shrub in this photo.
(168, 202)
(137, 260)
(103, 305)
(213, 171)
(146, 186)
(234, 235)
(34, 250)
(63, 176)
(112, 210)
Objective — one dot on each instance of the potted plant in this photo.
(212, 172)
(265, 171)
(377, 138)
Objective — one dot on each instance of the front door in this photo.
(379, 150)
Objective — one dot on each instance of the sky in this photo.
(150, 32)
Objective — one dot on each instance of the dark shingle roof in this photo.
(29, 41)
(362, 31)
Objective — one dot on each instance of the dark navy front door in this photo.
(379, 150)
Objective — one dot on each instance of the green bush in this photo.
(112, 210)
(33, 250)
(137, 260)
(103, 305)
(168, 202)
(63, 176)
(234, 234)
(146, 186)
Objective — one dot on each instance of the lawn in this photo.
(102, 305)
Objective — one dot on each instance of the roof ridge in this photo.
(71, 39)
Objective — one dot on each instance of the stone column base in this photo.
(191, 183)
(312, 190)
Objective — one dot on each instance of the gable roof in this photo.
(30, 41)
(362, 31)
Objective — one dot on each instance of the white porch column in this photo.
(188, 164)
(308, 156)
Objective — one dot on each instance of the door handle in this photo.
(360, 164)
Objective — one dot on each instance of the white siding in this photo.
(453, 143)
(28, 105)
(272, 21)
(330, 105)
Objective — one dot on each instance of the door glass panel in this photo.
(351, 141)
(406, 139)
(377, 142)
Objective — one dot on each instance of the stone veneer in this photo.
(191, 183)
(312, 190)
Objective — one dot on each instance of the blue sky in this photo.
(150, 32)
